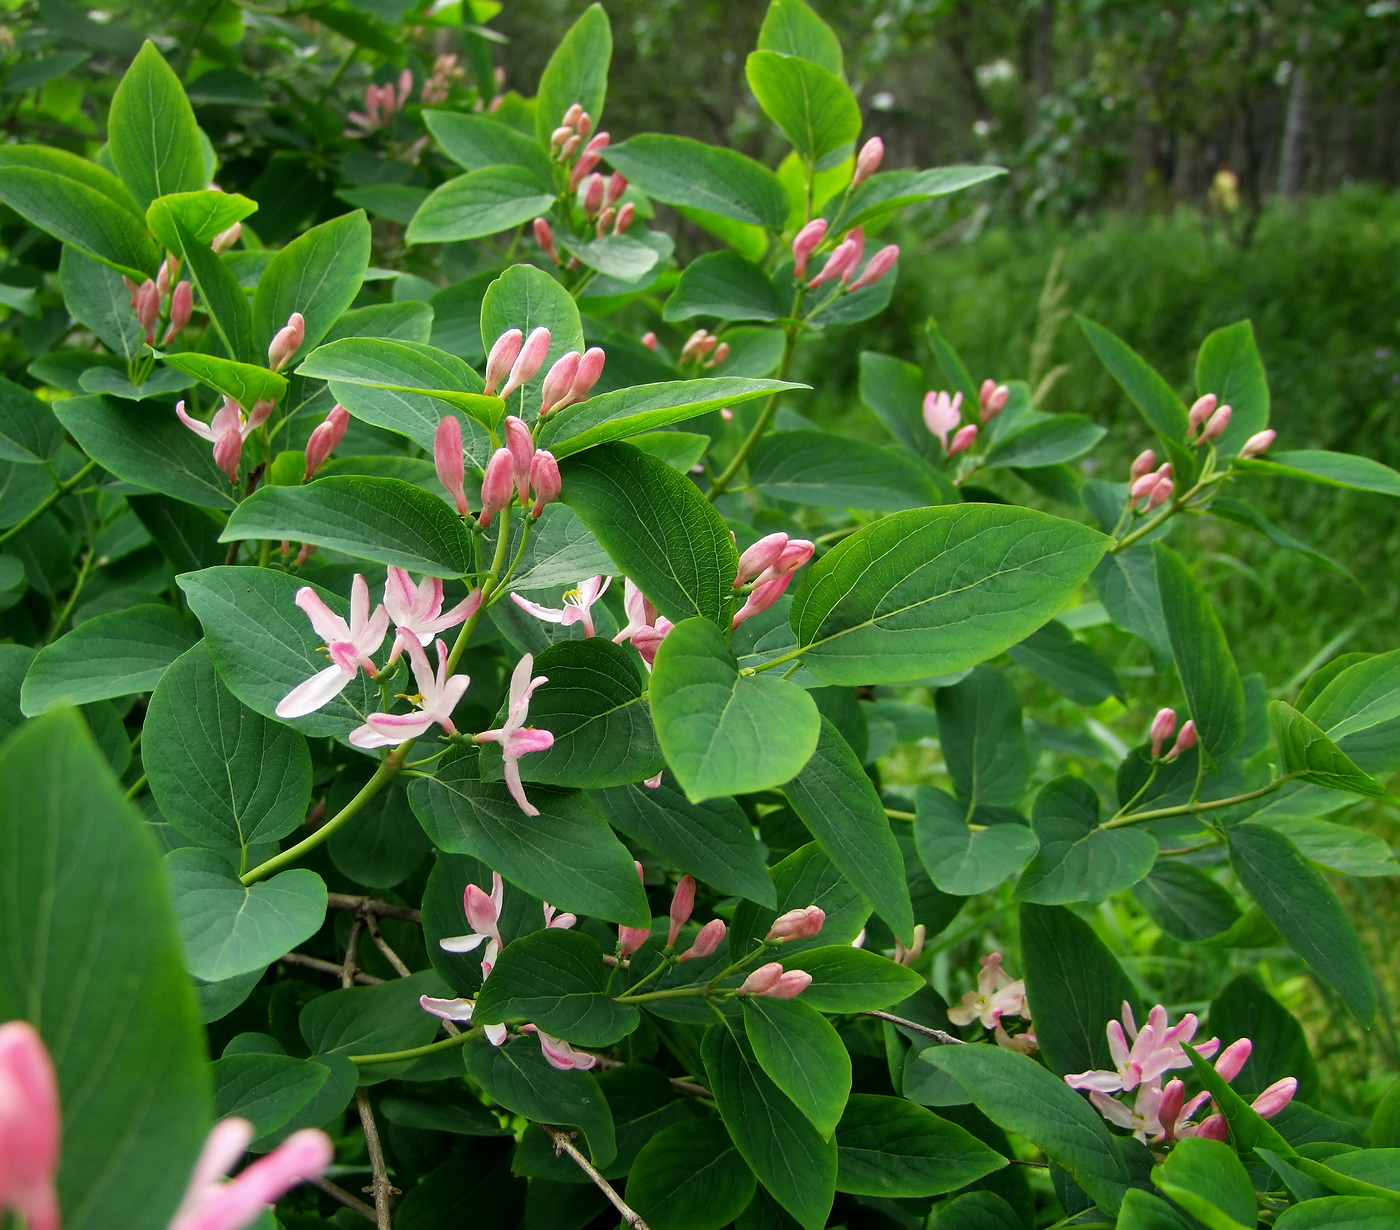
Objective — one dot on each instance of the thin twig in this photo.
(352, 948)
(390, 955)
(563, 1144)
(927, 1030)
(336, 1192)
(371, 905)
(328, 967)
(381, 1187)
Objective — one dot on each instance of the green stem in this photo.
(416, 1052)
(1188, 809)
(62, 617)
(383, 775)
(53, 498)
(673, 993)
(136, 787)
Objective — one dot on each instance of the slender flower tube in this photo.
(577, 608)
(707, 942)
(594, 189)
(868, 161)
(416, 610)
(879, 265)
(181, 309)
(590, 369)
(287, 341)
(942, 414)
(806, 242)
(148, 309)
(438, 695)
(841, 262)
(1163, 727)
(350, 647)
(800, 924)
(617, 185)
(626, 215)
(517, 739)
(682, 906)
(450, 460)
(1259, 442)
(545, 481)
(506, 348)
(211, 1204)
(224, 240)
(529, 359)
(326, 437)
(29, 1127)
(497, 485)
(522, 450)
(544, 236)
(964, 439)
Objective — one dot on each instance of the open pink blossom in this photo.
(559, 1053)
(350, 647)
(29, 1127)
(997, 995)
(942, 414)
(517, 739)
(577, 608)
(438, 695)
(416, 610)
(227, 430)
(483, 911)
(560, 922)
(1142, 1057)
(645, 628)
(1141, 1118)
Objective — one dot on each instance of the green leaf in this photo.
(577, 72)
(841, 808)
(959, 860)
(817, 467)
(266, 1089)
(1076, 986)
(228, 929)
(566, 854)
(690, 1177)
(625, 259)
(385, 520)
(243, 382)
(1078, 860)
(139, 1082)
(29, 434)
(396, 202)
(556, 979)
(1208, 1180)
(1359, 709)
(681, 450)
(983, 1210)
(681, 171)
(1312, 465)
(110, 655)
(717, 727)
(68, 165)
(1152, 395)
(1186, 902)
(1250, 517)
(893, 391)
(81, 216)
(1020, 1096)
(1048, 442)
(96, 297)
(714, 840)
(1337, 847)
(727, 286)
(227, 303)
(892, 1148)
(846, 979)
(372, 1020)
(1244, 1009)
(1209, 677)
(263, 645)
(1126, 582)
(1311, 756)
(1338, 1213)
(1248, 1129)
(813, 107)
(1301, 904)
(560, 551)
(478, 204)
(527, 298)
(884, 193)
(791, 28)
(645, 407)
(955, 372)
(802, 1054)
(1228, 365)
(318, 274)
(203, 215)
(383, 844)
(1067, 664)
(984, 741)
(936, 590)
(152, 135)
(222, 775)
(1142, 1211)
(658, 528)
(478, 141)
(784, 1150)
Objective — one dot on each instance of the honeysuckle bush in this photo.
(471, 801)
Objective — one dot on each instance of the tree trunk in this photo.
(1295, 126)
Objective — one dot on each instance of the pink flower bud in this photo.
(228, 451)
(585, 125)
(605, 221)
(840, 263)
(1216, 425)
(625, 217)
(522, 450)
(629, 939)
(307, 550)
(1185, 741)
(450, 460)
(572, 116)
(880, 264)
(497, 484)
(131, 289)
(649, 340)
(1161, 493)
(287, 341)
(544, 480)
(727, 415)
(617, 185)
(1201, 409)
(1259, 442)
(558, 137)
(224, 240)
(148, 309)
(1275, 1097)
(721, 353)
(646, 641)
(763, 596)
(1163, 727)
(29, 1127)
(164, 274)
(807, 241)
(593, 189)
(598, 144)
(590, 368)
(529, 359)
(558, 385)
(181, 308)
(790, 985)
(1214, 1128)
(697, 345)
(682, 906)
(707, 942)
(405, 86)
(964, 439)
(1143, 487)
(762, 980)
(326, 437)
(566, 151)
(544, 236)
(797, 552)
(505, 349)
(1233, 1058)
(1142, 464)
(798, 924)
(868, 161)
(760, 557)
(992, 400)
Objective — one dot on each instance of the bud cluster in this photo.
(1163, 727)
(154, 300)
(701, 347)
(382, 102)
(845, 258)
(943, 414)
(446, 73)
(769, 565)
(1150, 488)
(573, 142)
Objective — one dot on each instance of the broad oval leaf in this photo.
(243, 382)
(817, 467)
(960, 860)
(29, 433)
(690, 1176)
(478, 204)
(813, 107)
(681, 171)
(887, 191)
(1228, 365)
(846, 979)
(890, 1147)
(727, 286)
(936, 590)
(803, 1055)
(1060, 438)
(477, 141)
(791, 28)
(1311, 756)
(152, 135)
(1078, 860)
(202, 215)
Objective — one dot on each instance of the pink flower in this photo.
(1163, 727)
(556, 391)
(1201, 409)
(1153, 1051)
(1142, 1118)
(629, 939)
(545, 480)
(1185, 741)
(438, 695)
(506, 348)
(224, 240)
(645, 628)
(710, 937)
(517, 739)
(450, 461)
(544, 236)
(590, 369)
(560, 922)
(872, 153)
(577, 608)
(1216, 425)
(416, 610)
(773, 981)
(559, 1053)
(842, 262)
(763, 596)
(996, 996)
(771, 562)
(806, 242)
(483, 911)
(522, 451)
(529, 359)
(799, 924)
(350, 647)
(181, 308)
(29, 1127)
(649, 340)
(326, 437)
(1143, 463)
(1259, 442)
(287, 341)
(992, 399)
(682, 905)
(942, 414)
(964, 438)
(758, 558)
(146, 300)
(227, 430)
(876, 268)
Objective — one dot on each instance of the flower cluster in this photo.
(381, 104)
(155, 300)
(438, 86)
(577, 608)
(483, 912)
(573, 142)
(30, 1140)
(768, 567)
(943, 413)
(702, 348)
(998, 996)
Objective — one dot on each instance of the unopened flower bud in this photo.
(590, 370)
(697, 346)
(181, 308)
(585, 125)
(1201, 409)
(148, 309)
(594, 188)
(1161, 493)
(790, 985)
(287, 341)
(807, 241)
(544, 236)
(1233, 1058)
(799, 924)
(1143, 463)
(964, 438)
(450, 461)
(544, 480)
(625, 217)
(992, 400)
(1259, 442)
(558, 137)
(1143, 487)
(762, 980)
(721, 353)
(797, 552)
(326, 437)
(605, 221)
(907, 956)
(166, 274)
(649, 340)
(1185, 741)
(629, 939)
(497, 484)
(1163, 727)
(1214, 1128)
(1275, 1097)
(566, 151)
(760, 557)
(522, 450)
(558, 384)
(682, 906)
(224, 240)
(763, 596)
(572, 116)
(707, 942)
(617, 185)
(880, 264)
(868, 161)
(262, 411)
(1216, 425)
(840, 263)
(228, 451)
(528, 361)
(505, 349)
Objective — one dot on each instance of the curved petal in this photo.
(448, 1009)
(390, 729)
(328, 625)
(319, 690)
(549, 614)
(517, 787)
(462, 943)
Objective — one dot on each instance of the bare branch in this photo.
(327, 967)
(563, 1143)
(381, 1187)
(389, 954)
(927, 1030)
(335, 1192)
(371, 905)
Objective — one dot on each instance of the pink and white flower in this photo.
(350, 647)
(439, 693)
(577, 608)
(416, 610)
(483, 911)
(227, 430)
(517, 739)
(1142, 1057)
(942, 414)
(559, 1053)
(645, 628)
(997, 995)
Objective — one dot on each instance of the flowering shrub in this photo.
(525, 663)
